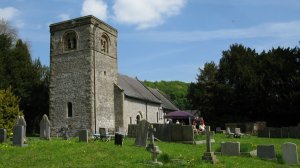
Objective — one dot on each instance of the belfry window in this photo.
(104, 43)
(70, 41)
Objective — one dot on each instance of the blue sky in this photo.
(164, 39)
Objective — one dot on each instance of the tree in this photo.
(9, 109)
(27, 78)
(247, 86)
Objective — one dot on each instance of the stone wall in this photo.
(167, 132)
(133, 107)
(74, 79)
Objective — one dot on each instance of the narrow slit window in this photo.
(70, 110)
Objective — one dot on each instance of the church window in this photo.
(70, 41)
(70, 110)
(104, 43)
(138, 118)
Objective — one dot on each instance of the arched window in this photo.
(70, 41)
(104, 43)
(138, 118)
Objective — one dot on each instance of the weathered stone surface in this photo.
(187, 133)
(142, 133)
(285, 132)
(176, 130)
(21, 122)
(266, 152)
(275, 132)
(18, 135)
(3, 135)
(230, 148)
(45, 128)
(84, 76)
(265, 133)
(83, 135)
(132, 130)
(289, 153)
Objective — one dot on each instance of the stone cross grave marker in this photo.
(142, 133)
(266, 152)
(209, 155)
(45, 128)
(154, 149)
(290, 154)
(18, 136)
(230, 148)
(83, 135)
(3, 135)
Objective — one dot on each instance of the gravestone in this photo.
(3, 135)
(187, 133)
(285, 132)
(83, 135)
(142, 133)
(132, 130)
(45, 128)
(266, 152)
(118, 139)
(21, 121)
(209, 155)
(18, 136)
(289, 153)
(230, 148)
(265, 133)
(176, 130)
(154, 149)
(275, 133)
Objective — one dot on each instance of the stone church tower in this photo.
(83, 65)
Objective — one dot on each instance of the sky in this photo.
(164, 39)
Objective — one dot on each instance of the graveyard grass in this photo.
(71, 153)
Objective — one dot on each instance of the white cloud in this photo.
(64, 16)
(280, 30)
(146, 13)
(9, 13)
(97, 8)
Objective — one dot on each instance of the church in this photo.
(86, 90)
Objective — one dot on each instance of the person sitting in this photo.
(202, 125)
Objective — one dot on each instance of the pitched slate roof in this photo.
(166, 103)
(135, 89)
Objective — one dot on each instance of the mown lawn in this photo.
(71, 153)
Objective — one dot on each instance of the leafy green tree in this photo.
(247, 86)
(27, 78)
(175, 90)
(9, 109)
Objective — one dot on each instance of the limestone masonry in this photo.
(84, 82)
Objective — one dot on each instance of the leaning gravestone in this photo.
(230, 148)
(18, 136)
(266, 152)
(142, 133)
(3, 135)
(45, 128)
(83, 136)
(289, 153)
